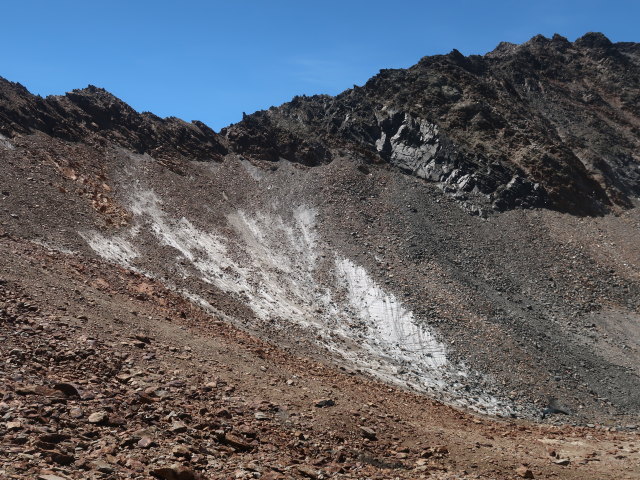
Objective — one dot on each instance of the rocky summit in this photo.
(433, 275)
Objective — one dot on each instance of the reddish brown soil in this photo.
(149, 359)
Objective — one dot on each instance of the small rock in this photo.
(308, 472)
(178, 427)
(61, 458)
(175, 472)
(54, 437)
(236, 442)
(325, 402)
(145, 442)
(76, 412)
(524, 472)
(11, 426)
(181, 451)
(98, 418)
(223, 413)
(562, 461)
(123, 377)
(103, 467)
(38, 390)
(68, 389)
(50, 477)
(135, 465)
(261, 416)
(368, 433)
(143, 338)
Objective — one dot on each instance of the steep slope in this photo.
(106, 374)
(301, 226)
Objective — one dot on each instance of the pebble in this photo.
(145, 442)
(524, 472)
(98, 417)
(368, 433)
(178, 427)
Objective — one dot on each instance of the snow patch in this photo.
(5, 143)
(273, 266)
(206, 252)
(115, 249)
(255, 173)
(392, 329)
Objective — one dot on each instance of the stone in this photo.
(46, 391)
(175, 472)
(11, 426)
(261, 416)
(143, 338)
(562, 461)
(524, 472)
(68, 389)
(50, 477)
(236, 442)
(98, 418)
(308, 472)
(76, 412)
(178, 427)
(181, 451)
(145, 442)
(54, 437)
(123, 377)
(103, 467)
(144, 398)
(368, 433)
(135, 465)
(223, 413)
(325, 402)
(61, 458)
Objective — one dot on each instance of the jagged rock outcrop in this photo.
(94, 115)
(547, 123)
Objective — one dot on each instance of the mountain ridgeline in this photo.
(549, 123)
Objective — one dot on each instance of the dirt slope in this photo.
(181, 389)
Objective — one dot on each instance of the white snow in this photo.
(206, 252)
(392, 329)
(5, 143)
(270, 261)
(115, 249)
(256, 173)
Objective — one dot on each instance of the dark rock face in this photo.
(94, 115)
(546, 123)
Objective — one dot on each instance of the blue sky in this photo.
(213, 60)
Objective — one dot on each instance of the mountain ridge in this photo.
(496, 131)
(486, 130)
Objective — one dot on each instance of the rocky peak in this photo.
(594, 40)
(94, 115)
(556, 117)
